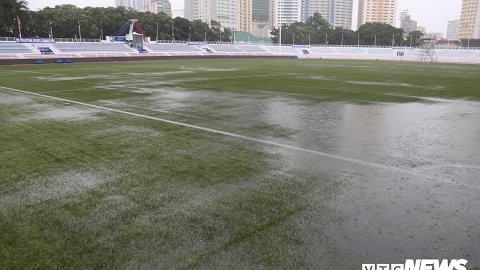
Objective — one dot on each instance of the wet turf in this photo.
(392, 171)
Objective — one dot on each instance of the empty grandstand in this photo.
(14, 50)
(172, 48)
(11, 47)
(93, 47)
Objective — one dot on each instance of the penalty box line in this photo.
(234, 135)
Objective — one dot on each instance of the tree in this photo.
(322, 28)
(342, 36)
(380, 34)
(13, 15)
(183, 28)
(414, 39)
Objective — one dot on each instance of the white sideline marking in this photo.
(234, 135)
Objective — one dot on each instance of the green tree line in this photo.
(317, 30)
(97, 22)
(63, 20)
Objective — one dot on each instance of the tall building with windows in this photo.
(377, 11)
(138, 5)
(285, 12)
(337, 12)
(124, 3)
(452, 29)
(244, 15)
(261, 18)
(470, 20)
(157, 6)
(234, 14)
(406, 23)
(198, 10)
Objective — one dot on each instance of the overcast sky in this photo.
(433, 14)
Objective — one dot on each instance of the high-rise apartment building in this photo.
(285, 12)
(124, 3)
(470, 19)
(406, 23)
(225, 12)
(261, 18)
(452, 29)
(244, 15)
(198, 10)
(138, 5)
(234, 14)
(157, 6)
(377, 11)
(337, 12)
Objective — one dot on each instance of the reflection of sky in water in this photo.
(379, 213)
(406, 135)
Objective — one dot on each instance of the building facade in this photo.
(470, 20)
(261, 18)
(244, 15)
(285, 12)
(406, 23)
(452, 29)
(198, 10)
(124, 3)
(146, 5)
(157, 6)
(377, 11)
(234, 14)
(337, 12)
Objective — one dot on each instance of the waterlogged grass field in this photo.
(274, 164)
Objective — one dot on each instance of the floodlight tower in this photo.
(427, 51)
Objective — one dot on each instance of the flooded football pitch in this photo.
(198, 177)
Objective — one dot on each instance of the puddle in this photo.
(57, 113)
(59, 187)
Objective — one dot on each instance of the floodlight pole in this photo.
(156, 39)
(51, 30)
(358, 40)
(79, 31)
(375, 44)
(279, 23)
(293, 39)
(342, 40)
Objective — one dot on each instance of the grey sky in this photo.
(433, 14)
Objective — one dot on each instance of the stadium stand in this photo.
(224, 48)
(12, 47)
(93, 47)
(252, 48)
(14, 50)
(172, 48)
(284, 50)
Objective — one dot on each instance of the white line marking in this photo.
(234, 135)
(68, 90)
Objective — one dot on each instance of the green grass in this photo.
(105, 190)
